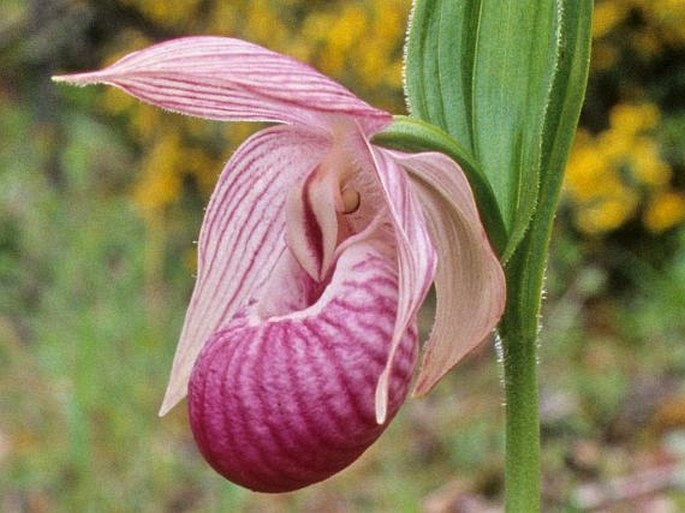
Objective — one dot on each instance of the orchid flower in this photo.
(316, 251)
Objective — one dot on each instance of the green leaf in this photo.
(414, 135)
(566, 97)
(525, 271)
(482, 70)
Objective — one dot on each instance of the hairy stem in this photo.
(522, 468)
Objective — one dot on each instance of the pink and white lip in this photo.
(300, 335)
(280, 402)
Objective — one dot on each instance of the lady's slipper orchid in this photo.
(316, 251)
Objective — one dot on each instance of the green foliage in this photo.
(486, 80)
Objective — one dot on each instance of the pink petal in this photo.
(415, 252)
(312, 221)
(228, 79)
(469, 283)
(278, 403)
(242, 237)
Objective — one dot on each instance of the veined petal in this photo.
(242, 237)
(228, 79)
(469, 282)
(281, 402)
(416, 258)
(312, 221)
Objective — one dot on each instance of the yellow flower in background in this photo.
(167, 13)
(668, 16)
(612, 175)
(631, 119)
(644, 27)
(607, 213)
(602, 201)
(664, 211)
(647, 165)
(160, 181)
(606, 16)
(590, 175)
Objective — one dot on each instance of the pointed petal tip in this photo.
(62, 79)
(422, 387)
(419, 390)
(77, 79)
(227, 79)
(171, 398)
(429, 378)
(163, 410)
(382, 398)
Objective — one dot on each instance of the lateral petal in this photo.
(227, 79)
(416, 258)
(242, 237)
(469, 283)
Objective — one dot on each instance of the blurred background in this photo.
(101, 199)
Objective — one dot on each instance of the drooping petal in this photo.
(416, 257)
(242, 237)
(282, 402)
(469, 282)
(228, 79)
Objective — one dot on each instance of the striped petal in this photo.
(242, 237)
(469, 282)
(278, 403)
(416, 257)
(228, 79)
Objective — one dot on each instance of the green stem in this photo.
(519, 338)
(522, 467)
(526, 269)
(518, 332)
